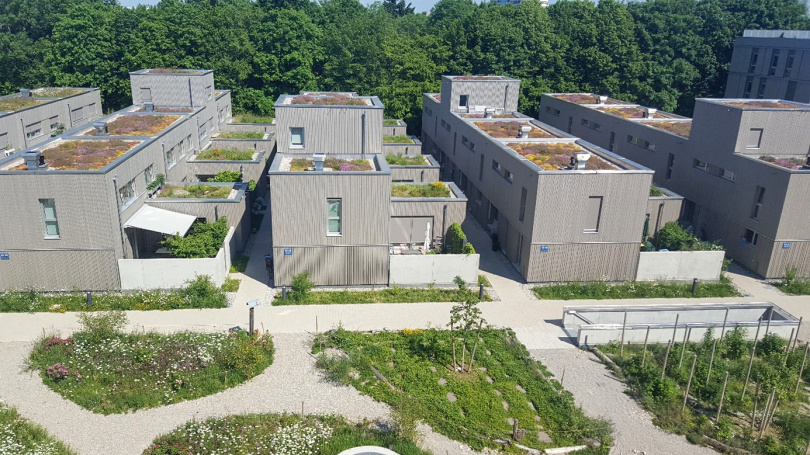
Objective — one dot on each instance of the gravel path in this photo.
(601, 395)
(291, 380)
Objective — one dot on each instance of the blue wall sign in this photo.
(287, 251)
(786, 245)
(4, 257)
(544, 248)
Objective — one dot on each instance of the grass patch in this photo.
(654, 191)
(772, 367)
(241, 135)
(226, 154)
(414, 361)
(394, 294)
(239, 263)
(107, 371)
(482, 279)
(435, 189)
(85, 155)
(279, 433)
(56, 92)
(252, 118)
(21, 437)
(197, 191)
(16, 103)
(399, 139)
(231, 285)
(198, 293)
(634, 290)
(390, 122)
(334, 164)
(790, 284)
(405, 160)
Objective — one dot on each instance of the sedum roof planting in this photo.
(584, 98)
(554, 156)
(679, 128)
(334, 99)
(511, 130)
(85, 155)
(792, 163)
(137, 125)
(629, 112)
(332, 164)
(763, 105)
(15, 103)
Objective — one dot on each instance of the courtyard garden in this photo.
(278, 434)
(106, 370)
(723, 393)
(18, 436)
(478, 386)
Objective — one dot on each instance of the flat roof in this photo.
(355, 164)
(511, 129)
(16, 102)
(794, 34)
(474, 78)
(329, 99)
(173, 71)
(74, 154)
(145, 124)
(758, 104)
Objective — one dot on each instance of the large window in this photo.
(593, 212)
(750, 237)
(752, 65)
(334, 217)
(791, 58)
(754, 138)
(522, 204)
(127, 194)
(147, 176)
(670, 164)
(761, 89)
(464, 101)
(749, 86)
(297, 137)
(759, 197)
(51, 224)
(481, 169)
(33, 130)
(774, 62)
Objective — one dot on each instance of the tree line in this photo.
(661, 53)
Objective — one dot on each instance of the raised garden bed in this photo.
(772, 367)
(105, 370)
(332, 164)
(18, 436)
(226, 154)
(56, 92)
(87, 155)
(599, 290)
(195, 191)
(16, 103)
(252, 118)
(553, 156)
(401, 139)
(406, 160)
(435, 189)
(785, 162)
(503, 130)
(412, 371)
(241, 135)
(629, 112)
(679, 128)
(279, 434)
(329, 100)
(137, 125)
(394, 294)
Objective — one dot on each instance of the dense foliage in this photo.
(675, 238)
(457, 241)
(18, 436)
(792, 285)
(204, 241)
(278, 434)
(198, 293)
(634, 290)
(106, 370)
(663, 53)
(473, 407)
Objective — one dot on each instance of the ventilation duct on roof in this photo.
(101, 128)
(524, 132)
(489, 112)
(148, 106)
(34, 161)
(580, 160)
(602, 99)
(649, 112)
(25, 93)
(318, 159)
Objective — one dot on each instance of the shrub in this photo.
(457, 241)
(239, 263)
(204, 241)
(770, 344)
(231, 285)
(160, 179)
(102, 325)
(301, 287)
(202, 293)
(675, 238)
(227, 176)
(460, 282)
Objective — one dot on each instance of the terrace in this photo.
(788, 162)
(291, 164)
(405, 160)
(226, 154)
(557, 156)
(400, 139)
(633, 112)
(78, 155)
(682, 128)
(512, 130)
(136, 125)
(197, 191)
(421, 190)
(585, 98)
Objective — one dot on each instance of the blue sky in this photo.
(420, 5)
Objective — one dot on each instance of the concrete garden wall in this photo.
(679, 265)
(433, 268)
(403, 149)
(174, 272)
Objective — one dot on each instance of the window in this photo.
(670, 163)
(552, 111)
(430, 112)
(754, 139)
(759, 197)
(127, 194)
(209, 92)
(750, 237)
(593, 211)
(91, 109)
(592, 125)
(726, 174)
(201, 132)
(334, 217)
(472, 146)
(752, 65)
(791, 58)
(790, 94)
(774, 62)
(496, 166)
(447, 127)
(444, 124)
(481, 169)
(508, 175)
(77, 115)
(51, 223)
(749, 86)
(612, 140)
(53, 123)
(147, 176)
(478, 197)
(171, 157)
(464, 141)
(632, 139)
(702, 165)
(649, 145)
(464, 101)
(761, 89)
(297, 137)
(522, 204)
(33, 130)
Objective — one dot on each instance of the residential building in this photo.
(740, 164)
(563, 208)
(31, 116)
(85, 202)
(770, 64)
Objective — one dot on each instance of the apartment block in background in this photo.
(31, 116)
(740, 164)
(563, 209)
(769, 64)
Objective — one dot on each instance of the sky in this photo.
(420, 5)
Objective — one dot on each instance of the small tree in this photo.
(465, 317)
(301, 286)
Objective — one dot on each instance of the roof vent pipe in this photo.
(489, 112)
(649, 112)
(32, 160)
(25, 93)
(581, 160)
(148, 106)
(318, 159)
(101, 128)
(524, 132)
(602, 99)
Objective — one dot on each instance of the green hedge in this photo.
(456, 241)
(204, 241)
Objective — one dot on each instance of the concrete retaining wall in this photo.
(433, 268)
(173, 273)
(680, 265)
